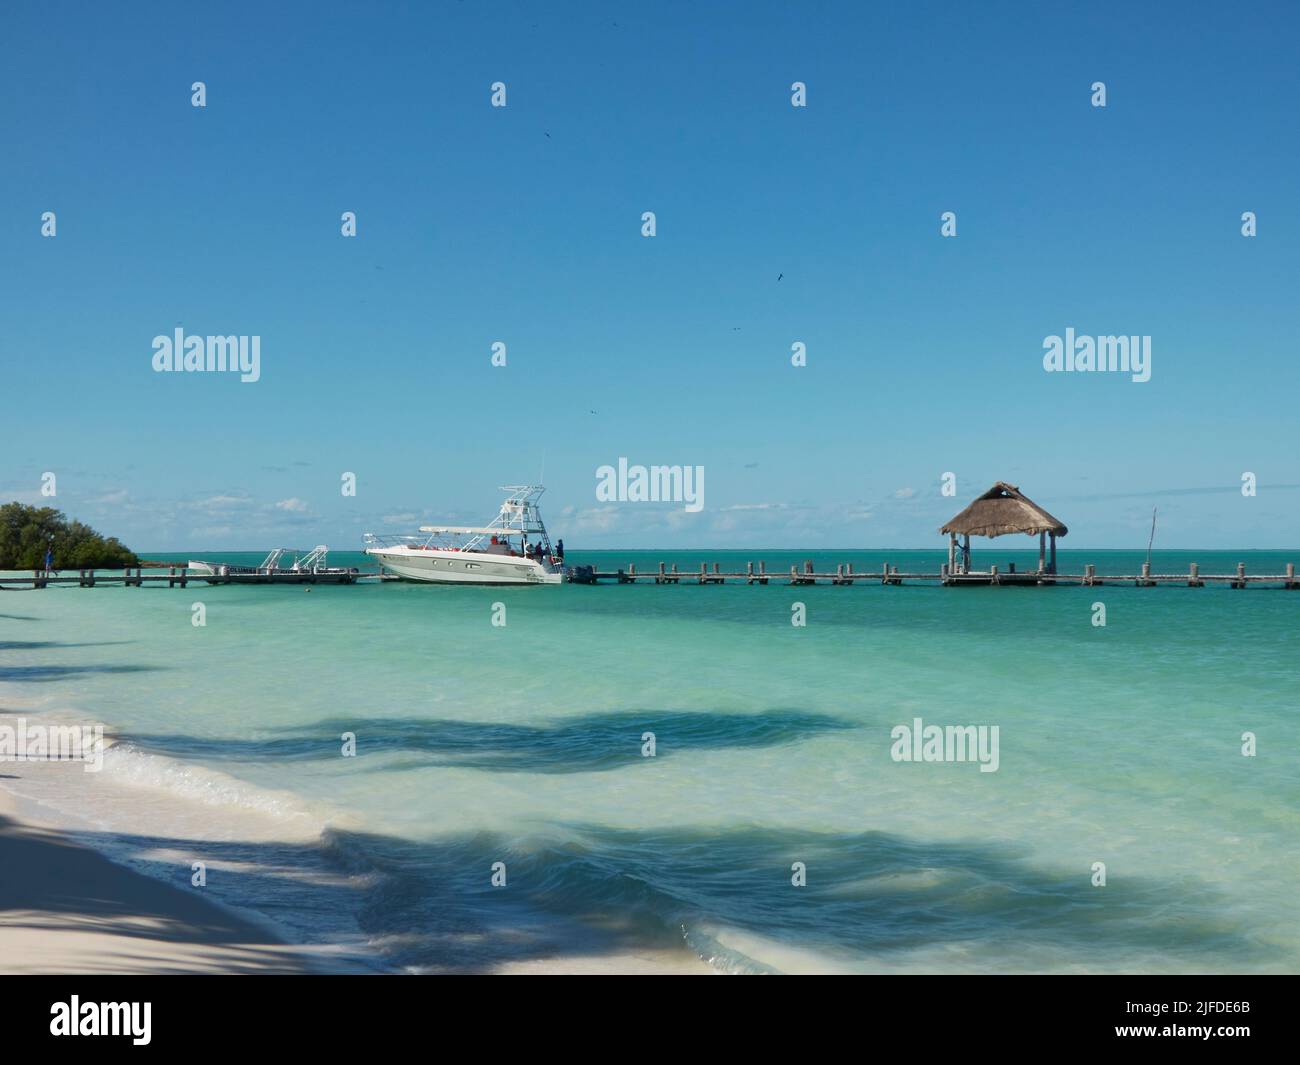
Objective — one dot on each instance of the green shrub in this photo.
(26, 532)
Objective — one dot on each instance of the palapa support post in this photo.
(762, 572)
(1052, 558)
(1194, 577)
(1240, 581)
(1042, 551)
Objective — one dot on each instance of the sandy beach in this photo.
(65, 908)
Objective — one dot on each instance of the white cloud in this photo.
(597, 520)
(222, 502)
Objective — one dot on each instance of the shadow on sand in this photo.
(585, 891)
(65, 907)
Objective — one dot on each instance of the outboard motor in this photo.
(580, 574)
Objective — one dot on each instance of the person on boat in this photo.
(559, 550)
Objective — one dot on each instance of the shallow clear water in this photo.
(522, 744)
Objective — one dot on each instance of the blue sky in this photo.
(523, 224)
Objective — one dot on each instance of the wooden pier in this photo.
(845, 575)
(178, 576)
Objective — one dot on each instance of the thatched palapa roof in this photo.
(1002, 509)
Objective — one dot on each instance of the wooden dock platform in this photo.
(844, 575)
(178, 576)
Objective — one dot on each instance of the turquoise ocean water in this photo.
(478, 744)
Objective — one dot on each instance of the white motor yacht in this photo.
(513, 548)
